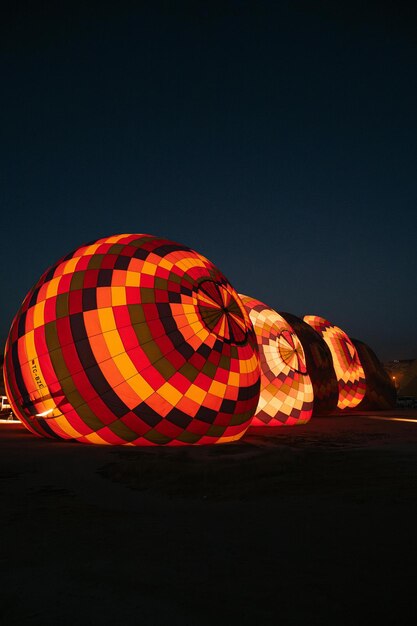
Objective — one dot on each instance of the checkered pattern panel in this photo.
(319, 364)
(348, 368)
(286, 390)
(133, 340)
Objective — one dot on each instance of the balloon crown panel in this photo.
(133, 340)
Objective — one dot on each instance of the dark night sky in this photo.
(279, 139)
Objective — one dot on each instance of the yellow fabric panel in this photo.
(196, 394)
(140, 386)
(125, 365)
(118, 296)
(90, 250)
(171, 394)
(107, 320)
(39, 314)
(230, 438)
(234, 379)
(217, 388)
(94, 438)
(132, 279)
(70, 265)
(52, 287)
(252, 364)
(149, 268)
(64, 424)
(168, 265)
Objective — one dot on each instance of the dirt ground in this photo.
(311, 525)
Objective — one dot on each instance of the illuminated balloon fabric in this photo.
(380, 390)
(348, 368)
(319, 365)
(286, 390)
(137, 340)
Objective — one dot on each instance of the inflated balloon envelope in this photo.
(319, 365)
(133, 340)
(348, 368)
(286, 396)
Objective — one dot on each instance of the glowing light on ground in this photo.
(391, 419)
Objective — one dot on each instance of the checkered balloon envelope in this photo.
(133, 340)
(349, 371)
(319, 364)
(286, 390)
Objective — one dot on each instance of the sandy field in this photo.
(310, 525)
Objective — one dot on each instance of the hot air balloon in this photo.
(348, 368)
(133, 340)
(380, 389)
(319, 364)
(286, 390)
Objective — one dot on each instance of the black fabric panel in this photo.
(89, 299)
(167, 248)
(204, 350)
(179, 418)
(50, 274)
(205, 414)
(34, 296)
(104, 278)
(140, 253)
(246, 393)
(21, 326)
(227, 406)
(122, 262)
(147, 414)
